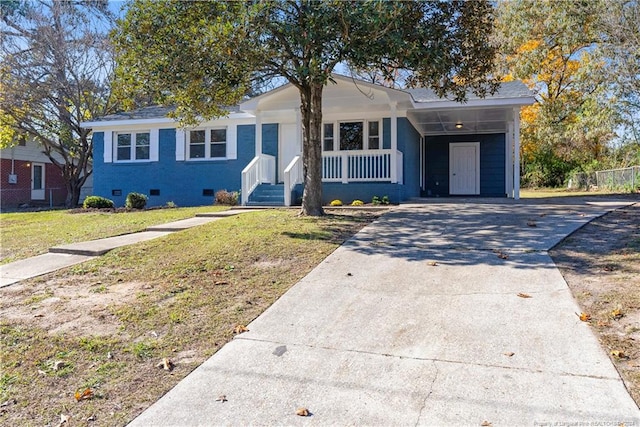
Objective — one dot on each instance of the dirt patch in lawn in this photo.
(601, 264)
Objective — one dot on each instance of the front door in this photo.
(464, 168)
(288, 147)
(37, 181)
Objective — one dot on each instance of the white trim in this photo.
(394, 141)
(509, 161)
(473, 103)
(154, 145)
(516, 153)
(258, 124)
(365, 133)
(158, 122)
(476, 145)
(38, 193)
(107, 156)
(232, 142)
(181, 137)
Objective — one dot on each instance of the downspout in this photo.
(516, 156)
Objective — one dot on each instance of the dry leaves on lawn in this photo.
(523, 295)
(165, 364)
(85, 395)
(584, 316)
(240, 329)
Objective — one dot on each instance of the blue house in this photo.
(376, 141)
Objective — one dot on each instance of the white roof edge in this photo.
(488, 102)
(104, 124)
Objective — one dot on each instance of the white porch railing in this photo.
(362, 166)
(262, 169)
(292, 176)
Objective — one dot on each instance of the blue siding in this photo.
(182, 182)
(492, 164)
(386, 133)
(409, 145)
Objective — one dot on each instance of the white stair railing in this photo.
(262, 169)
(292, 177)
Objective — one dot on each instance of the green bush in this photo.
(135, 201)
(385, 200)
(375, 200)
(357, 203)
(336, 202)
(97, 202)
(224, 197)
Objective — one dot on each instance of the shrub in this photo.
(357, 203)
(171, 205)
(135, 201)
(336, 202)
(224, 197)
(97, 202)
(375, 200)
(385, 200)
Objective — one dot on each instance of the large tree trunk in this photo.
(311, 109)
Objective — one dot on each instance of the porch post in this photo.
(509, 161)
(516, 153)
(299, 130)
(258, 133)
(394, 142)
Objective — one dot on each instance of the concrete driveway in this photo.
(417, 321)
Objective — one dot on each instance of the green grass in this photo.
(186, 292)
(539, 193)
(26, 234)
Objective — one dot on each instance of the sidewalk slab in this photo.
(42, 264)
(182, 224)
(102, 246)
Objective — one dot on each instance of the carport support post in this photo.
(258, 133)
(516, 153)
(394, 142)
(508, 176)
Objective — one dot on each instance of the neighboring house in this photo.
(376, 141)
(28, 178)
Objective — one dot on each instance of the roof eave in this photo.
(475, 103)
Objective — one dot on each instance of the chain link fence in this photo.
(11, 198)
(627, 179)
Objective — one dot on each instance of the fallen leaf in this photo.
(222, 398)
(584, 316)
(63, 419)
(92, 418)
(85, 395)
(616, 314)
(602, 324)
(240, 329)
(303, 412)
(220, 282)
(58, 364)
(619, 354)
(486, 424)
(503, 256)
(509, 354)
(432, 263)
(349, 274)
(523, 295)
(532, 223)
(38, 315)
(608, 268)
(165, 364)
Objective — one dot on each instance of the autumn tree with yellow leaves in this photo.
(555, 48)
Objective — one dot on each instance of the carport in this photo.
(470, 148)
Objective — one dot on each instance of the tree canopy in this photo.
(200, 56)
(55, 69)
(576, 75)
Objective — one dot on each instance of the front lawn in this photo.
(102, 328)
(26, 234)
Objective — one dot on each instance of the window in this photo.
(374, 135)
(207, 144)
(133, 146)
(327, 139)
(351, 135)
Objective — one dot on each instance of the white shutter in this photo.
(180, 139)
(108, 146)
(232, 142)
(154, 145)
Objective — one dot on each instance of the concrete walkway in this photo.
(417, 321)
(76, 253)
